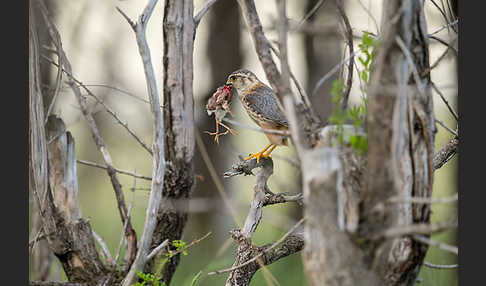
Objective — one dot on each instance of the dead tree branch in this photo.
(130, 234)
(400, 122)
(54, 283)
(107, 108)
(53, 180)
(438, 266)
(159, 164)
(440, 245)
(202, 12)
(178, 29)
(261, 45)
(124, 172)
(249, 258)
(349, 42)
(446, 153)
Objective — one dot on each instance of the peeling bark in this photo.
(53, 182)
(401, 139)
(178, 37)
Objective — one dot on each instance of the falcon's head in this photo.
(242, 79)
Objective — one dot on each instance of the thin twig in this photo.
(194, 242)
(104, 248)
(441, 266)
(349, 41)
(202, 12)
(214, 176)
(444, 27)
(445, 101)
(263, 252)
(408, 56)
(440, 245)
(108, 109)
(156, 250)
(258, 129)
(121, 91)
(159, 163)
(58, 84)
(370, 15)
(323, 79)
(124, 172)
(449, 46)
(423, 200)
(446, 128)
(440, 10)
(130, 207)
(299, 87)
(417, 228)
(39, 236)
(312, 12)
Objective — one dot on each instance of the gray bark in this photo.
(178, 37)
(249, 258)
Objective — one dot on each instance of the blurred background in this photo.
(104, 56)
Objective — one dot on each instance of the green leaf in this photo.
(367, 40)
(364, 76)
(360, 59)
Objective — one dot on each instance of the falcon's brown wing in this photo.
(263, 101)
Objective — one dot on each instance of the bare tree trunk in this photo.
(401, 139)
(178, 37)
(399, 162)
(42, 256)
(54, 185)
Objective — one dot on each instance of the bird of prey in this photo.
(261, 104)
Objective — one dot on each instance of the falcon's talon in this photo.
(261, 153)
(216, 134)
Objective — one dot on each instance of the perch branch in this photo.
(262, 196)
(445, 153)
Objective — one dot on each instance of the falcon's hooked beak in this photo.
(230, 80)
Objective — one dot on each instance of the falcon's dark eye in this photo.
(232, 77)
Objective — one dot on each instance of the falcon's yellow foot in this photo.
(269, 151)
(261, 153)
